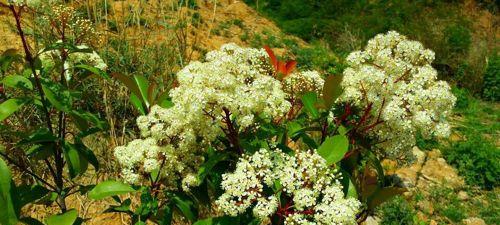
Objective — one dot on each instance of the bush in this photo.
(458, 38)
(397, 212)
(491, 79)
(476, 160)
(463, 96)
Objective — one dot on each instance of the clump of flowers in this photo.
(299, 83)
(311, 193)
(84, 55)
(218, 97)
(394, 84)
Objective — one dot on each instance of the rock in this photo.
(425, 206)
(473, 221)
(433, 222)
(419, 156)
(462, 195)
(437, 171)
(422, 216)
(434, 154)
(406, 177)
(371, 220)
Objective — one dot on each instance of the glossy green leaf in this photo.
(334, 148)
(9, 107)
(138, 104)
(93, 70)
(17, 81)
(164, 101)
(57, 100)
(109, 188)
(128, 82)
(332, 90)
(185, 206)
(224, 220)
(143, 85)
(77, 163)
(213, 160)
(87, 153)
(67, 218)
(40, 152)
(30, 221)
(30, 193)
(8, 215)
(309, 100)
(42, 135)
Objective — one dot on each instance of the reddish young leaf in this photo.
(290, 66)
(274, 60)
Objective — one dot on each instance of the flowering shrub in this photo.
(393, 81)
(309, 189)
(219, 97)
(243, 106)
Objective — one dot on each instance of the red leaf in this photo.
(290, 66)
(274, 60)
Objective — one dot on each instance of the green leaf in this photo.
(17, 81)
(87, 153)
(77, 163)
(224, 220)
(42, 135)
(40, 152)
(128, 82)
(8, 57)
(137, 103)
(93, 70)
(309, 100)
(109, 188)
(9, 107)
(213, 160)
(334, 148)
(348, 185)
(143, 85)
(67, 218)
(59, 101)
(332, 89)
(123, 207)
(8, 215)
(84, 120)
(185, 206)
(164, 101)
(30, 193)
(30, 221)
(165, 215)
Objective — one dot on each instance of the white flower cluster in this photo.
(232, 86)
(88, 57)
(314, 193)
(301, 82)
(394, 76)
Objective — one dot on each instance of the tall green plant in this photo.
(52, 144)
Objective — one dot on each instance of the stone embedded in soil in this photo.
(426, 206)
(437, 171)
(371, 220)
(434, 154)
(462, 195)
(473, 221)
(406, 177)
